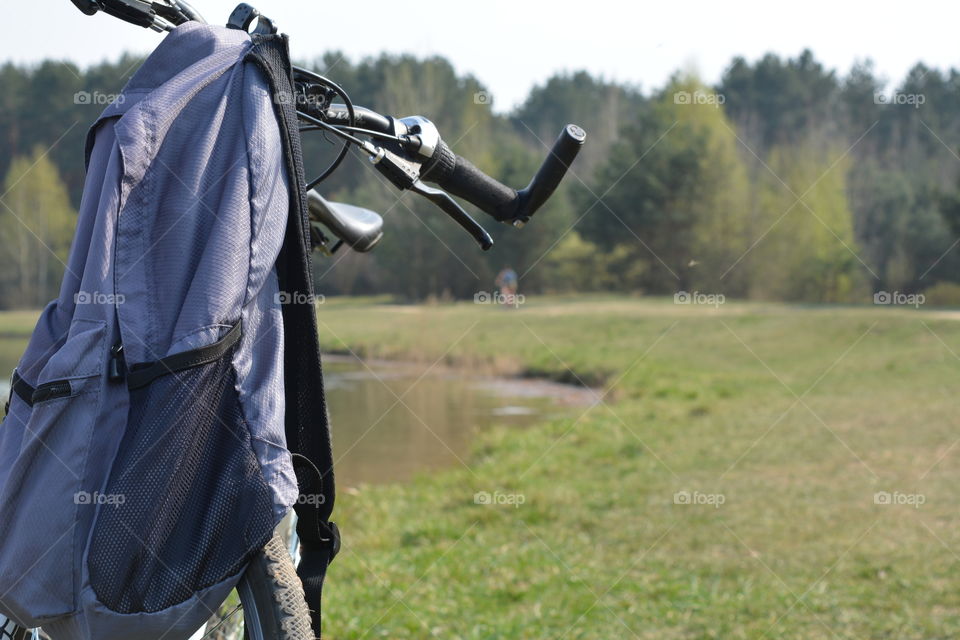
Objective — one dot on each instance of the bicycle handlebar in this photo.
(414, 150)
(159, 16)
(460, 177)
(363, 118)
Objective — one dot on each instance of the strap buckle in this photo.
(333, 540)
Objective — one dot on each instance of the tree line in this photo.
(784, 181)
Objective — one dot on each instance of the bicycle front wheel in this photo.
(268, 603)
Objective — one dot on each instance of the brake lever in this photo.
(443, 200)
(406, 175)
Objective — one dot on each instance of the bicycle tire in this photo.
(274, 606)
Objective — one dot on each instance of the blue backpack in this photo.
(169, 409)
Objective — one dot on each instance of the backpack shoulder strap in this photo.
(307, 426)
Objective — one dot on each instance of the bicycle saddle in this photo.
(359, 228)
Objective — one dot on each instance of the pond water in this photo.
(391, 421)
(394, 420)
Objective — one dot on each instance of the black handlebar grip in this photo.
(554, 167)
(460, 177)
(89, 7)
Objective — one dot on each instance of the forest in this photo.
(786, 181)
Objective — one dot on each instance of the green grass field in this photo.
(726, 487)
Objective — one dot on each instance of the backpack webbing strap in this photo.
(22, 388)
(307, 427)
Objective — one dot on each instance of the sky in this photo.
(511, 46)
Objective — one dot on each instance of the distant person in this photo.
(507, 282)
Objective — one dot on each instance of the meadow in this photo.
(749, 471)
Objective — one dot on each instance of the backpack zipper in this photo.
(118, 366)
(52, 390)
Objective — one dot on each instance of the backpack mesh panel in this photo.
(189, 503)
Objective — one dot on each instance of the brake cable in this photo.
(359, 131)
(316, 78)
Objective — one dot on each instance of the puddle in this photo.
(394, 420)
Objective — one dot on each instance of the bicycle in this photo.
(269, 601)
